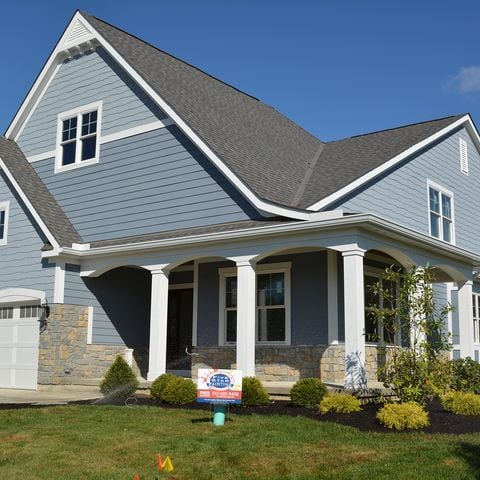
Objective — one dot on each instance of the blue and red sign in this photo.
(219, 386)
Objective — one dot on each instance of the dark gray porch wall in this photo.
(309, 312)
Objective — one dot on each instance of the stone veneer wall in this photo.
(291, 363)
(64, 356)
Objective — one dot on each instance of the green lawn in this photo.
(99, 442)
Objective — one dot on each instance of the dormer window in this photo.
(78, 137)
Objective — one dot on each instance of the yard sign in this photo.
(219, 386)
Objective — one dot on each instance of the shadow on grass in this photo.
(471, 454)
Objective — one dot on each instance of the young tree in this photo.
(415, 370)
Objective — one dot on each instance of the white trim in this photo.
(5, 207)
(78, 112)
(112, 137)
(450, 288)
(394, 161)
(16, 295)
(195, 305)
(180, 286)
(226, 272)
(59, 287)
(30, 208)
(332, 295)
(448, 193)
(90, 326)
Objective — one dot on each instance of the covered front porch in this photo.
(281, 308)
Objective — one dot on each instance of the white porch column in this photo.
(246, 315)
(465, 319)
(332, 292)
(157, 358)
(355, 377)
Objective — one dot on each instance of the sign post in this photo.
(220, 388)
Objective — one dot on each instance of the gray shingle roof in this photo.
(343, 161)
(277, 159)
(38, 194)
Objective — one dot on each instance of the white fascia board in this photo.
(368, 221)
(30, 207)
(394, 161)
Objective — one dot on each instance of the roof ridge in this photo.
(400, 127)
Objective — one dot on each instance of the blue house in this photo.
(151, 210)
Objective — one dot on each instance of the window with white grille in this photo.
(476, 317)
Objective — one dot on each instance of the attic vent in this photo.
(78, 31)
(463, 156)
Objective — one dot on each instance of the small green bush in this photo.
(402, 416)
(339, 403)
(179, 390)
(308, 392)
(461, 403)
(466, 375)
(253, 392)
(159, 384)
(119, 381)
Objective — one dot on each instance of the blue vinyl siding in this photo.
(21, 264)
(83, 80)
(309, 313)
(152, 182)
(401, 195)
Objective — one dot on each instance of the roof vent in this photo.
(463, 156)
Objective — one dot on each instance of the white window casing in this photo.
(272, 268)
(476, 318)
(441, 213)
(4, 214)
(76, 137)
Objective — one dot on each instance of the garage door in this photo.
(19, 336)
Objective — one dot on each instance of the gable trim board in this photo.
(32, 98)
(31, 209)
(465, 120)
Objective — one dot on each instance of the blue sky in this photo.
(337, 68)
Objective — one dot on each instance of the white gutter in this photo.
(369, 221)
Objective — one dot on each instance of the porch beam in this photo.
(157, 358)
(465, 319)
(355, 377)
(246, 315)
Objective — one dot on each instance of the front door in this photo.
(179, 330)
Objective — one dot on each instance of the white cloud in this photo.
(467, 80)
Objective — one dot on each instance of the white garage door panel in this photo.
(19, 339)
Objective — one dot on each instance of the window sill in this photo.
(74, 166)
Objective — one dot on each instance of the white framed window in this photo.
(441, 213)
(272, 305)
(476, 317)
(386, 331)
(4, 209)
(463, 155)
(78, 137)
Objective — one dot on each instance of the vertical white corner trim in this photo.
(90, 326)
(332, 289)
(195, 304)
(465, 319)
(59, 287)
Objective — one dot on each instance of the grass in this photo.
(107, 442)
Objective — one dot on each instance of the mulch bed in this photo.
(441, 421)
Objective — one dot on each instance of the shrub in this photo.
(402, 416)
(119, 381)
(461, 403)
(466, 375)
(339, 403)
(308, 392)
(253, 392)
(159, 384)
(179, 390)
